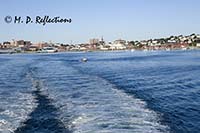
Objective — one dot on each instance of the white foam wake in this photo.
(16, 100)
(92, 104)
(102, 108)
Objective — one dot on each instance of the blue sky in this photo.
(112, 19)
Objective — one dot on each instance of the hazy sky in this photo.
(112, 19)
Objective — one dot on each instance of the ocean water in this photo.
(113, 92)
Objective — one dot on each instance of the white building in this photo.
(117, 46)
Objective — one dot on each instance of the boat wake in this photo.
(44, 118)
(62, 99)
(89, 103)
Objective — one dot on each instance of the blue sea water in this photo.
(113, 92)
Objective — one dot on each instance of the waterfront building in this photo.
(21, 44)
(118, 45)
(102, 42)
(33, 48)
(120, 41)
(197, 43)
(5, 45)
(94, 41)
(41, 45)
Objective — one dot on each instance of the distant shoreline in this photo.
(2, 52)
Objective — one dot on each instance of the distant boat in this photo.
(8, 51)
(145, 50)
(84, 59)
(132, 50)
(184, 48)
(49, 50)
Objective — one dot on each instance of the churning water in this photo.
(113, 92)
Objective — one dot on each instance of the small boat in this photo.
(84, 59)
(48, 50)
(132, 50)
(8, 51)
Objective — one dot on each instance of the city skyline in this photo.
(129, 20)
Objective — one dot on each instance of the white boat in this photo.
(84, 59)
(184, 48)
(132, 50)
(49, 50)
(145, 50)
(8, 51)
